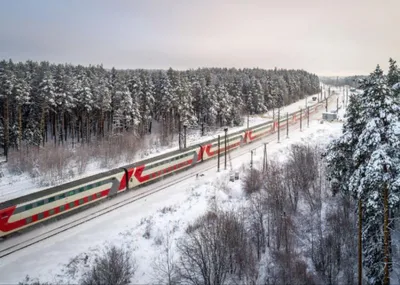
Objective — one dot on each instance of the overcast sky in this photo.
(326, 37)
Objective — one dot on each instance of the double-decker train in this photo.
(29, 210)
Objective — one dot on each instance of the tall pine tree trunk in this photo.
(62, 128)
(6, 130)
(359, 242)
(386, 233)
(88, 128)
(20, 127)
(101, 124)
(54, 128)
(43, 124)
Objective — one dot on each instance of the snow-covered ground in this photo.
(12, 186)
(141, 225)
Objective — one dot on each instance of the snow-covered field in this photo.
(12, 186)
(142, 225)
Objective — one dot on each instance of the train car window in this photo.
(70, 193)
(62, 208)
(61, 196)
(40, 216)
(89, 187)
(51, 212)
(98, 184)
(71, 205)
(81, 189)
(28, 207)
(98, 195)
(80, 201)
(51, 199)
(28, 220)
(90, 198)
(40, 203)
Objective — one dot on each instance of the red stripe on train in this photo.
(6, 213)
(122, 184)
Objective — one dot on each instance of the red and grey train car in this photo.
(29, 210)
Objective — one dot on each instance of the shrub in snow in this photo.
(216, 249)
(148, 228)
(301, 172)
(115, 266)
(166, 210)
(252, 181)
(165, 267)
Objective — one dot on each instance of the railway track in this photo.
(141, 193)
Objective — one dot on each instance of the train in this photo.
(27, 211)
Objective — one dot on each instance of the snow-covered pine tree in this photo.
(135, 87)
(22, 98)
(235, 91)
(224, 105)
(146, 102)
(210, 105)
(79, 105)
(125, 109)
(340, 151)
(7, 81)
(46, 92)
(257, 96)
(377, 160)
(85, 102)
(394, 77)
(165, 106)
(66, 103)
(366, 159)
(393, 73)
(103, 101)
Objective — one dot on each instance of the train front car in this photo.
(29, 210)
(162, 166)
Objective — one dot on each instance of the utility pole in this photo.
(179, 134)
(301, 120)
(308, 117)
(337, 104)
(226, 131)
(251, 161)
(326, 104)
(218, 150)
(265, 164)
(202, 129)
(359, 242)
(251, 166)
(279, 118)
(287, 125)
(273, 114)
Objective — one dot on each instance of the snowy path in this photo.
(188, 197)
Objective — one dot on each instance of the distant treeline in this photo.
(42, 102)
(352, 81)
